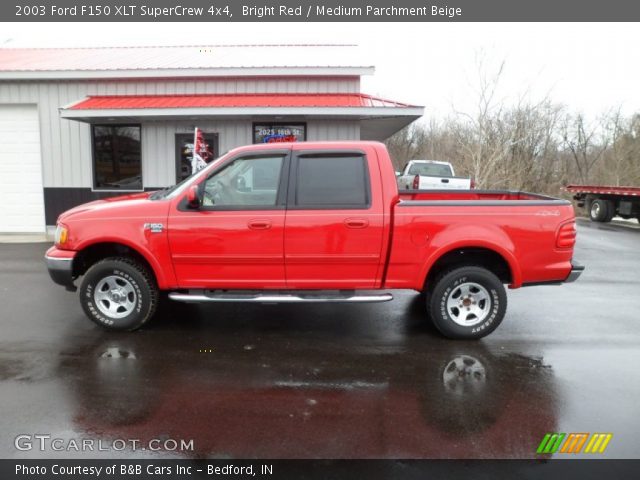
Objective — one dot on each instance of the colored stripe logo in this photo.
(574, 443)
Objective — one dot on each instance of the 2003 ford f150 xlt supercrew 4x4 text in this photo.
(312, 222)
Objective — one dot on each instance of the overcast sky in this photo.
(588, 67)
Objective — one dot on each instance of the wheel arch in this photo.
(89, 254)
(495, 259)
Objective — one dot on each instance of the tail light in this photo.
(566, 236)
(416, 182)
(473, 183)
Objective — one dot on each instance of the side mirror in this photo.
(193, 199)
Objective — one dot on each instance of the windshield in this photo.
(170, 192)
(430, 170)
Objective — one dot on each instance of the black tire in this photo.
(135, 290)
(491, 304)
(611, 210)
(599, 210)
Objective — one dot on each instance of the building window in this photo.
(279, 132)
(116, 157)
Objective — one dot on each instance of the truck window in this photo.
(246, 182)
(430, 170)
(332, 181)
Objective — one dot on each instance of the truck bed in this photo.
(603, 202)
(522, 227)
(476, 197)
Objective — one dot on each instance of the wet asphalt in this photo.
(328, 381)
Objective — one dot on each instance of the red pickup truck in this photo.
(312, 222)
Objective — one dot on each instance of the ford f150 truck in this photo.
(312, 222)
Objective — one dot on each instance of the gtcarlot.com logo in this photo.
(574, 443)
(45, 442)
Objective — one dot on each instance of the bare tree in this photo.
(405, 145)
(483, 138)
(531, 165)
(622, 160)
(585, 142)
(533, 146)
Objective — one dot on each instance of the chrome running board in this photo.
(275, 297)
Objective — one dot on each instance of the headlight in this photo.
(62, 233)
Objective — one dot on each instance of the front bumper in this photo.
(60, 270)
(576, 271)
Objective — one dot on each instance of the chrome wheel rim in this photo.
(468, 304)
(462, 373)
(595, 210)
(115, 296)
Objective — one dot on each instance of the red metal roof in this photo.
(320, 100)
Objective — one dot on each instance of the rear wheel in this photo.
(467, 302)
(119, 294)
(599, 210)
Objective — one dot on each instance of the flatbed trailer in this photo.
(603, 202)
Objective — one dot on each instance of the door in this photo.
(184, 152)
(335, 221)
(21, 192)
(235, 239)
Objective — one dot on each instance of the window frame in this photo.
(281, 195)
(293, 180)
(94, 173)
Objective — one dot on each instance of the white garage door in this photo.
(21, 195)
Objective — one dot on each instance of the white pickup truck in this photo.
(431, 175)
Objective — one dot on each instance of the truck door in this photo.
(334, 222)
(235, 239)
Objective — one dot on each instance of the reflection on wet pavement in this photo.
(302, 390)
(313, 400)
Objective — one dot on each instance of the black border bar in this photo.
(319, 11)
(335, 469)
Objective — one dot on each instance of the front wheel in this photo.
(119, 294)
(467, 302)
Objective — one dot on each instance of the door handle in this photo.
(261, 224)
(444, 180)
(356, 222)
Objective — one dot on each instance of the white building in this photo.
(82, 124)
